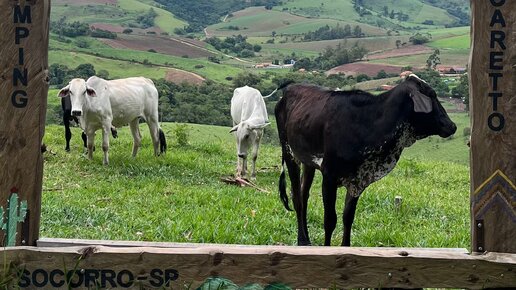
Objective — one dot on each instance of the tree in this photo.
(382, 74)
(435, 81)
(419, 38)
(357, 31)
(57, 74)
(398, 43)
(385, 11)
(433, 60)
(249, 79)
(462, 90)
(84, 71)
(103, 74)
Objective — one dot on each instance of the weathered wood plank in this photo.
(493, 117)
(299, 267)
(23, 99)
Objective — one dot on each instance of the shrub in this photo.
(182, 133)
(466, 131)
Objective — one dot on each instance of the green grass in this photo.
(340, 10)
(125, 62)
(165, 19)
(458, 57)
(456, 42)
(256, 22)
(116, 68)
(179, 197)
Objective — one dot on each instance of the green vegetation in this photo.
(338, 32)
(457, 42)
(202, 13)
(332, 57)
(235, 44)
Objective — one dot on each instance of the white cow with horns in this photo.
(249, 118)
(101, 104)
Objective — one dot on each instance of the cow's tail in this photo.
(162, 141)
(281, 87)
(283, 187)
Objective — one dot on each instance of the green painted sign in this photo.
(16, 213)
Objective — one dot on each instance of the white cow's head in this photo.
(247, 133)
(78, 91)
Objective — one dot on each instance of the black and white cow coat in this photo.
(354, 139)
(66, 106)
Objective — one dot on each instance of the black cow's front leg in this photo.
(68, 132)
(348, 217)
(329, 192)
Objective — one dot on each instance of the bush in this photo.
(466, 131)
(127, 31)
(182, 133)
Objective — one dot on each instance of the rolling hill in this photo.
(277, 27)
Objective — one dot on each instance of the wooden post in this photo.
(23, 99)
(492, 75)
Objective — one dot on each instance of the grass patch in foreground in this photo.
(178, 197)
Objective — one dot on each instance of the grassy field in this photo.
(125, 62)
(456, 42)
(179, 197)
(257, 21)
(165, 20)
(458, 57)
(340, 10)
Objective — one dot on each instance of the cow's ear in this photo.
(233, 129)
(91, 92)
(422, 103)
(64, 92)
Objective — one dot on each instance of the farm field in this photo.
(179, 197)
(126, 62)
(257, 21)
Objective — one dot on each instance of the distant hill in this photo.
(159, 36)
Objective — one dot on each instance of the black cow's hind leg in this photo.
(348, 217)
(329, 192)
(294, 173)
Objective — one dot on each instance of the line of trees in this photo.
(327, 33)
(77, 28)
(234, 44)
(332, 57)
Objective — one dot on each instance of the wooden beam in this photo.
(23, 99)
(493, 117)
(297, 267)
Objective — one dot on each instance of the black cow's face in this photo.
(429, 117)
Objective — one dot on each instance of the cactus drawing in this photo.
(16, 212)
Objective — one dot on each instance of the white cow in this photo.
(249, 118)
(101, 104)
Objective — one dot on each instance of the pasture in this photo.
(179, 197)
(257, 21)
(127, 62)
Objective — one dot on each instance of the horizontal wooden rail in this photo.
(130, 265)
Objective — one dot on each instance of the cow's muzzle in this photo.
(76, 113)
(448, 130)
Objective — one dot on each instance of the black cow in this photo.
(66, 105)
(354, 139)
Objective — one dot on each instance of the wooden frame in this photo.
(134, 264)
(59, 263)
